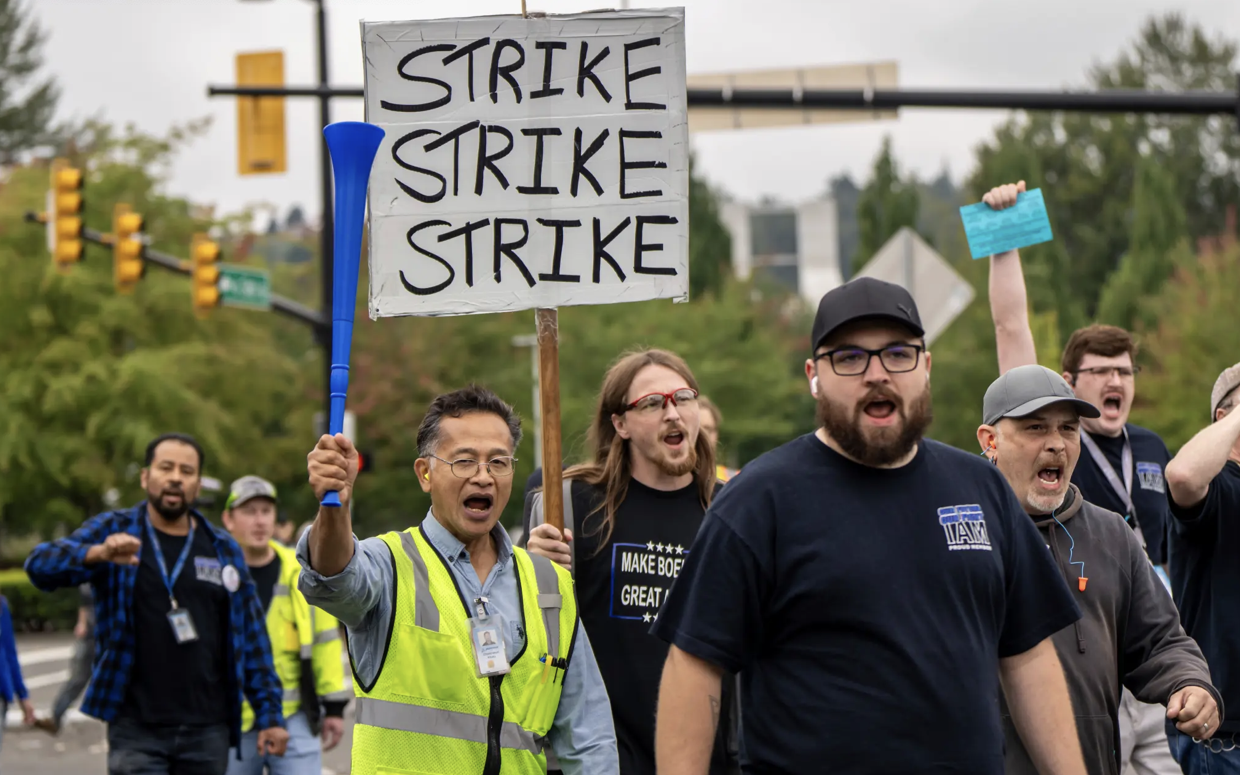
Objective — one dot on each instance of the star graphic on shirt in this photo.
(680, 549)
(658, 548)
(650, 545)
(646, 617)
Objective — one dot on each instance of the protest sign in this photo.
(990, 231)
(527, 162)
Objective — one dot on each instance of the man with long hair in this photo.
(638, 503)
(871, 587)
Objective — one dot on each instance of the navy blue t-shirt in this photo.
(1204, 549)
(1149, 489)
(866, 609)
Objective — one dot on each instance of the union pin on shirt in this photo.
(208, 569)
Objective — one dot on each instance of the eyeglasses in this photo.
(657, 402)
(1125, 372)
(854, 361)
(465, 468)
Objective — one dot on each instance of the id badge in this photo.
(486, 634)
(182, 625)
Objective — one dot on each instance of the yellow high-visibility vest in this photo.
(428, 712)
(297, 630)
(723, 473)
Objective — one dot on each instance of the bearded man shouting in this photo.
(871, 588)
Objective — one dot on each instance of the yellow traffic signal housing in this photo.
(64, 217)
(128, 265)
(204, 254)
(260, 120)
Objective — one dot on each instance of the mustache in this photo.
(1058, 461)
(675, 428)
(881, 393)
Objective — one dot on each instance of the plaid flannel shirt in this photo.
(61, 563)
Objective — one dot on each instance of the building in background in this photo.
(796, 247)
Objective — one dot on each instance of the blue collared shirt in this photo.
(582, 736)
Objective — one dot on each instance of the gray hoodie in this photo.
(1129, 632)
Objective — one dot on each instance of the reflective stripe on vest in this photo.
(442, 723)
(426, 613)
(427, 702)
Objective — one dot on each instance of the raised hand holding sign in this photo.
(352, 145)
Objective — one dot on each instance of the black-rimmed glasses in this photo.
(854, 361)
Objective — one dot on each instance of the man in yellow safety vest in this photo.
(468, 652)
(305, 643)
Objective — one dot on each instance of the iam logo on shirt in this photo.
(965, 527)
(1151, 477)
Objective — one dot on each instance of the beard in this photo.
(677, 467)
(167, 510)
(877, 446)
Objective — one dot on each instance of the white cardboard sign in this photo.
(537, 162)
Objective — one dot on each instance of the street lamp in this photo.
(531, 341)
(325, 184)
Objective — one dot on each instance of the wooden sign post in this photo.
(528, 163)
(548, 321)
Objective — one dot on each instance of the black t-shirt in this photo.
(1149, 489)
(265, 578)
(620, 586)
(866, 610)
(180, 683)
(1204, 549)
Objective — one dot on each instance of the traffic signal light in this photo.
(64, 216)
(205, 253)
(128, 266)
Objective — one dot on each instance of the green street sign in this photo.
(242, 286)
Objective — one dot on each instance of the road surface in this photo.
(81, 748)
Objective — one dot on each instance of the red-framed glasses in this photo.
(657, 402)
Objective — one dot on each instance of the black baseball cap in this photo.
(864, 299)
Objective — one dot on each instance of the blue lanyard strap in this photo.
(169, 580)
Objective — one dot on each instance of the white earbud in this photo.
(813, 386)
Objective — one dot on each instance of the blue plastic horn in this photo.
(352, 145)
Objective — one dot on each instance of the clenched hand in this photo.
(547, 541)
(332, 465)
(1194, 711)
(118, 548)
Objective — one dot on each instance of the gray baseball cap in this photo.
(248, 488)
(1228, 381)
(1026, 389)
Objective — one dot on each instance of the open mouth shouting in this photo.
(1050, 478)
(675, 440)
(1112, 404)
(881, 410)
(478, 505)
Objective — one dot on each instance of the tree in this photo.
(296, 218)
(1159, 225)
(27, 102)
(710, 244)
(88, 377)
(1087, 165)
(886, 205)
(1195, 337)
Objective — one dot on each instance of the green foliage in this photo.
(88, 377)
(1158, 225)
(27, 101)
(1195, 337)
(886, 205)
(1089, 165)
(35, 611)
(710, 244)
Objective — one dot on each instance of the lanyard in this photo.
(1124, 490)
(169, 580)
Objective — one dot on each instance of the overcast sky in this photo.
(150, 61)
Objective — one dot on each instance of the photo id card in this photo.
(182, 625)
(486, 633)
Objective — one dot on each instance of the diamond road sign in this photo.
(241, 286)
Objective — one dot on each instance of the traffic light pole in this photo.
(1200, 103)
(287, 307)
